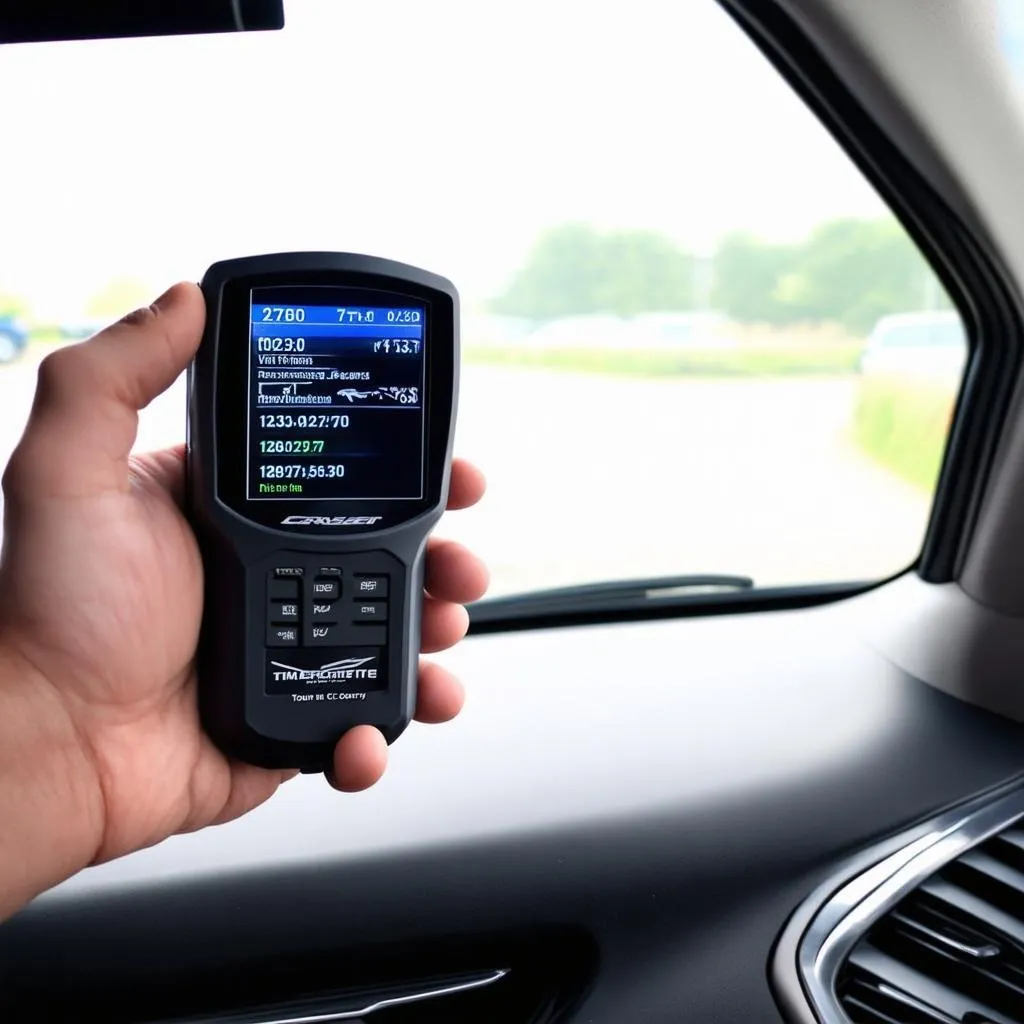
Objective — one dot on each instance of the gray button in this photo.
(283, 636)
(326, 590)
(369, 634)
(286, 611)
(322, 634)
(370, 611)
(370, 586)
(324, 612)
(283, 590)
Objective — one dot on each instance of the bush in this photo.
(904, 424)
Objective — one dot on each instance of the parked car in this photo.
(14, 337)
(488, 330)
(693, 331)
(917, 344)
(588, 331)
(690, 331)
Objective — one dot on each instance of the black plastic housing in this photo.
(241, 541)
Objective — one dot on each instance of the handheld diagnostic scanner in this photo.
(321, 407)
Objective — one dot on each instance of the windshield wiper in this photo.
(608, 596)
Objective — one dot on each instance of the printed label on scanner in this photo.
(341, 673)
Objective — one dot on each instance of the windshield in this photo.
(669, 270)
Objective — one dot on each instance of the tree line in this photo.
(849, 272)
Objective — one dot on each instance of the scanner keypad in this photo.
(323, 605)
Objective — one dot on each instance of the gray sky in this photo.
(446, 134)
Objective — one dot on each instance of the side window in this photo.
(695, 340)
(728, 355)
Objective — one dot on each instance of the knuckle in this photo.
(17, 473)
(51, 367)
(61, 367)
(144, 316)
(62, 377)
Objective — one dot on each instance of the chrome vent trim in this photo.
(845, 916)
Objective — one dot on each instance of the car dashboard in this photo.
(617, 828)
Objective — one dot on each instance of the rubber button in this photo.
(285, 612)
(370, 634)
(375, 611)
(326, 590)
(370, 586)
(322, 634)
(283, 636)
(323, 612)
(283, 590)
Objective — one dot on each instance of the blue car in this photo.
(13, 338)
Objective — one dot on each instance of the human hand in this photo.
(100, 606)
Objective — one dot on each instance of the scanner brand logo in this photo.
(345, 670)
(330, 520)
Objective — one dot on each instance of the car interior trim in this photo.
(358, 1013)
(528, 611)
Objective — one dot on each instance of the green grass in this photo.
(752, 360)
(904, 426)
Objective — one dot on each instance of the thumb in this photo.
(85, 414)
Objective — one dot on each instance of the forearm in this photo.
(51, 806)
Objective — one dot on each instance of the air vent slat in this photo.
(872, 1003)
(950, 950)
(944, 934)
(975, 906)
(915, 1005)
(997, 870)
(918, 986)
(868, 1014)
(1013, 836)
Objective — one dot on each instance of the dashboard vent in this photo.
(950, 952)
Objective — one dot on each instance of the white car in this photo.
(916, 344)
(485, 330)
(587, 331)
(690, 331)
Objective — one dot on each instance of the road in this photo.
(595, 477)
